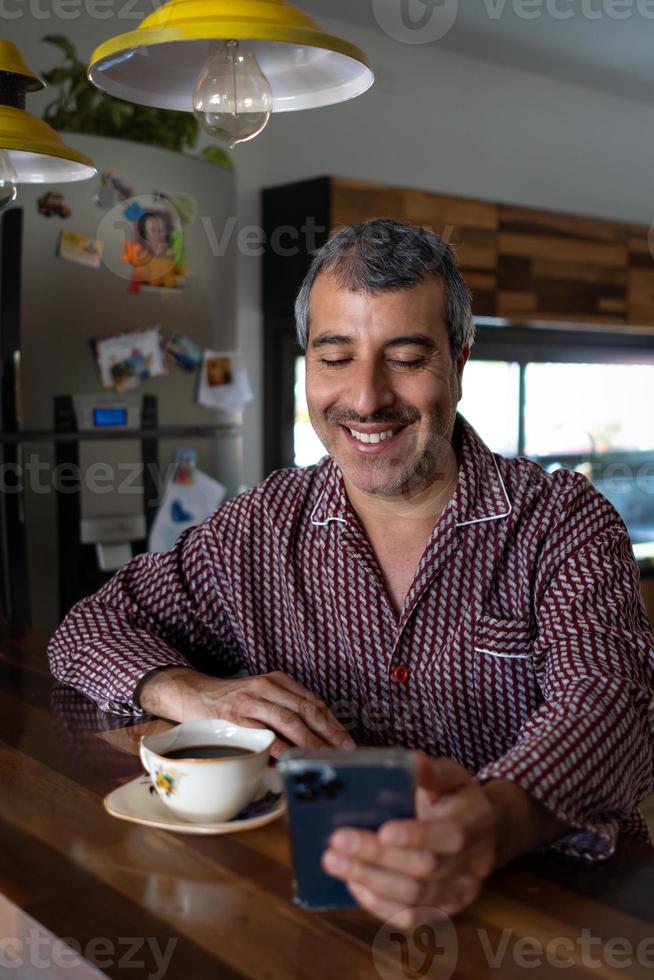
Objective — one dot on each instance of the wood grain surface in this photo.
(522, 263)
(136, 902)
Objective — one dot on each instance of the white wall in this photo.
(438, 121)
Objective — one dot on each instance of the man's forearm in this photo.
(522, 823)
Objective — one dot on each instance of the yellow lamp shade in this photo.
(158, 63)
(36, 151)
(11, 62)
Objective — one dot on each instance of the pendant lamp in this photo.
(31, 152)
(232, 62)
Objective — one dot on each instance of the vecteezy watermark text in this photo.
(39, 952)
(426, 21)
(99, 478)
(430, 950)
(44, 10)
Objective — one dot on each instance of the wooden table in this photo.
(220, 907)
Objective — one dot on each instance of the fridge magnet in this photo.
(185, 463)
(53, 203)
(154, 244)
(80, 248)
(112, 190)
(184, 352)
(223, 381)
(183, 506)
(126, 360)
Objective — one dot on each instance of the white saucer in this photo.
(135, 802)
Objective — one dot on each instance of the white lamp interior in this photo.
(301, 77)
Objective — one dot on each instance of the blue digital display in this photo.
(109, 416)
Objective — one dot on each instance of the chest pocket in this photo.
(505, 680)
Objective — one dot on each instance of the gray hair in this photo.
(386, 254)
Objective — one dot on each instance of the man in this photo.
(414, 589)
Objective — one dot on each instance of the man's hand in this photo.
(439, 860)
(464, 830)
(272, 701)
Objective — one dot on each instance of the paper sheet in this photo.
(184, 505)
(223, 381)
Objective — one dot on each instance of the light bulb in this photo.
(8, 180)
(232, 98)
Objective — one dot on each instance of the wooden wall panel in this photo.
(469, 225)
(561, 267)
(523, 264)
(640, 275)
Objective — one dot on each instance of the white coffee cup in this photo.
(207, 790)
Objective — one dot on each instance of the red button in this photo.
(400, 674)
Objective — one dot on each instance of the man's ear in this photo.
(461, 362)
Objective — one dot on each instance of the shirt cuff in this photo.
(113, 686)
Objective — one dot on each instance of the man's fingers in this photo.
(278, 748)
(366, 846)
(313, 712)
(438, 836)
(440, 776)
(391, 885)
(477, 861)
(283, 721)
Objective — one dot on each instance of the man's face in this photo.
(382, 387)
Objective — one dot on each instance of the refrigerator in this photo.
(53, 308)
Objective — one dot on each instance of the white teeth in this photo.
(372, 436)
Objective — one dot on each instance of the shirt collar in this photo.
(332, 503)
(480, 493)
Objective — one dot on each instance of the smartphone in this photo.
(328, 788)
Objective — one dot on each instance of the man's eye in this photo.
(409, 364)
(335, 363)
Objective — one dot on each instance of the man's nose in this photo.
(371, 389)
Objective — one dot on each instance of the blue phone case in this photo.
(326, 789)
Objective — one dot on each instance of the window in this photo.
(307, 447)
(491, 403)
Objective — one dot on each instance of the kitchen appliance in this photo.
(51, 312)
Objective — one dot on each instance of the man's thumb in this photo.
(440, 776)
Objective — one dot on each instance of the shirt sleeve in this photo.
(587, 753)
(160, 610)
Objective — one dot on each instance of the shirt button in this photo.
(400, 674)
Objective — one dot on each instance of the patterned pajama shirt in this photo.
(522, 651)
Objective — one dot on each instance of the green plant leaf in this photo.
(63, 43)
(214, 154)
(57, 76)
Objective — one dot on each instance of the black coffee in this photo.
(207, 752)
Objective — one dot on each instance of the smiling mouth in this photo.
(373, 437)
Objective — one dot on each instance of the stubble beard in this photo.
(406, 478)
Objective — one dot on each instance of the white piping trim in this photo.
(510, 656)
(477, 520)
(315, 523)
(493, 517)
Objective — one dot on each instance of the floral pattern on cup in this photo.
(165, 782)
